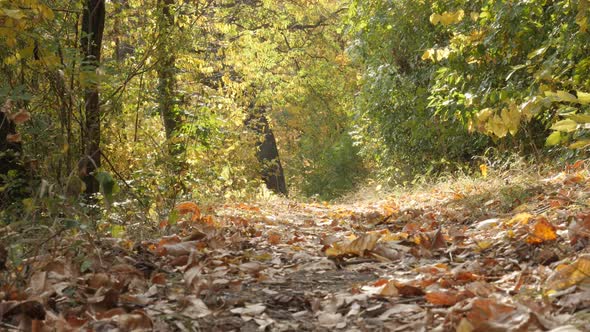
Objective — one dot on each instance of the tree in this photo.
(11, 170)
(167, 75)
(93, 20)
(267, 152)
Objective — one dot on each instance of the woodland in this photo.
(295, 165)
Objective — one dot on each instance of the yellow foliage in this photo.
(447, 18)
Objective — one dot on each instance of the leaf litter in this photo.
(439, 260)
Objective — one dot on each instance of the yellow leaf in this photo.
(434, 18)
(521, 218)
(583, 97)
(497, 127)
(357, 247)
(569, 275)
(579, 118)
(427, 55)
(553, 139)
(566, 96)
(580, 144)
(442, 53)
(567, 125)
(448, 18)
(484, 170)
(483, 245)
(511, 119)
(16, 14)
(484, 114)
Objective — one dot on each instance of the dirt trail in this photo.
(512, 259)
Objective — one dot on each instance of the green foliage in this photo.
(434, 71)
(397, 125)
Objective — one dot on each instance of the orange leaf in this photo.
(189, 207)
(274, 238)
(543, 231)
(442, 298)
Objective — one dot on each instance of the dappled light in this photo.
(294, 165)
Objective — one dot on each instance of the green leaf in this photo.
(173, 217)
(70, 223)
(16, 14)
(583, 97)
(85, 266)
(553, 139)
(566, 96)
(117, 231)
(566, 125)
(580, 144)
(537, 52)
(108, 186)
(579, 118)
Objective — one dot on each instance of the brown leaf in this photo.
(31, 309)
(446, 298)
(20, 117)
(179, 249)
(13, 138)
(579, 229)
(137, 320)
(274, 238)
(408, 290)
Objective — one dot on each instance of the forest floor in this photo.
(506, 253)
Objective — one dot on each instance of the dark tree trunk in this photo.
(93, 20)
(167, 76)
(9, 161)
(267, 153)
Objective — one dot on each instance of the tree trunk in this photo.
(9, 161)
(91, 41)
(267, 153)
(167, 76)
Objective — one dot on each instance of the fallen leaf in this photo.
(445, 298)
(189, 207)
(569, 275)
(274, 238)
(542, 231)
(358, 247)
(327, 319)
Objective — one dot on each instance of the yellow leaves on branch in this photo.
(582, 16)
(436, 54)
(447, 18)
(499, 123)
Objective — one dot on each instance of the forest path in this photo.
(506, 257)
